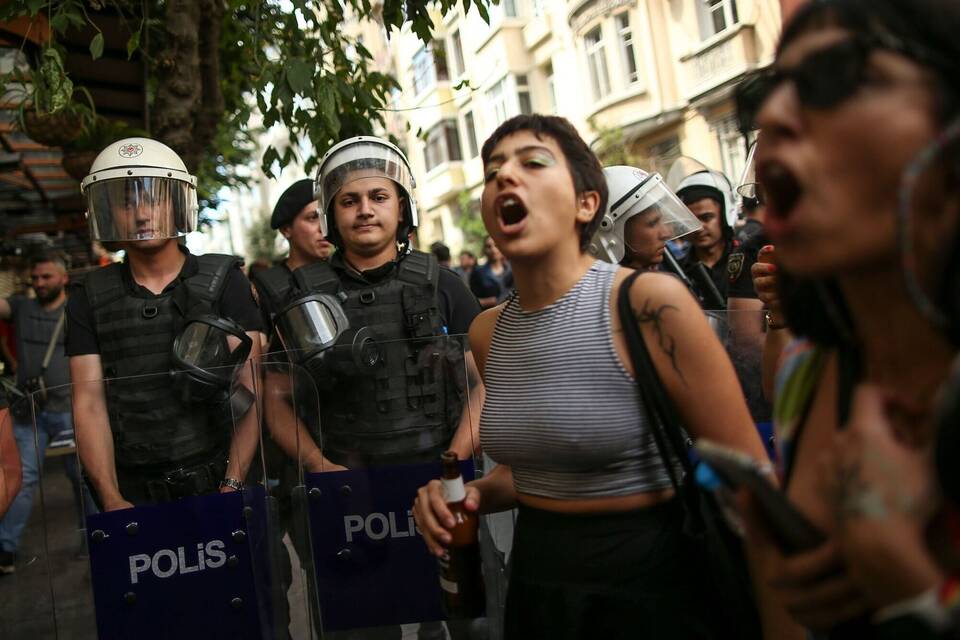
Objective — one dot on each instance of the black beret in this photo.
(291, 202)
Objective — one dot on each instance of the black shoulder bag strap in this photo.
(672, 442)
(724, 566)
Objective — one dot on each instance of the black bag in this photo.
(32, 391)
(719, 549)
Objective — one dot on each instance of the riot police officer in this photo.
(709, 197)
(188, 320)
(391, 404)
(642, 215)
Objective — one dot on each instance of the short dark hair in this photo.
(585, 168)
(467, 252)
(441, 251)
(48, 256)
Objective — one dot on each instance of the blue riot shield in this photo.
(170, 533)
(386, 411)
(743, 335)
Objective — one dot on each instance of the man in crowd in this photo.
(43, 374)
(468, 262)
(147, 436)
(709, 197)
(441, 252)
(491, 282)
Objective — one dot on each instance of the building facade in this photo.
(655, 76)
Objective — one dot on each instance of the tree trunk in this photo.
(189, 104)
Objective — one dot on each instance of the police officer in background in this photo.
(397, 302)
(159, 437)
(642, 216)
(708, 264)
(296, 217)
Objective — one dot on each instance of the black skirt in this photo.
(622, 575)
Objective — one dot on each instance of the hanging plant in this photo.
(48, 112)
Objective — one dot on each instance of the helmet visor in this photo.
(309, 325)
(361, 160)
(141, 208)
(656, 218)
(644, 222)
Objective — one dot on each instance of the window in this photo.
(716, 16)
(509, 8)
(551, 86)
(597, 64)
(523, 95)
(470, 129)
(733, 151)
(443, 145)
(539, 7)
(456, 53)
(626, 48)
(429, 66)
(497, 100)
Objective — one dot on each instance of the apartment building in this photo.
(656, 74)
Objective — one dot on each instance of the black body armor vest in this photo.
(408, 409)
(152, 424)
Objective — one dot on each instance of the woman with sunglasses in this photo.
(598, 550)
(857, 89)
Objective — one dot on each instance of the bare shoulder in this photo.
(660, 288)
(481, 332)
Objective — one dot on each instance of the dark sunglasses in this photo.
(825, 78)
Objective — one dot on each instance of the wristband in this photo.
(233, 483)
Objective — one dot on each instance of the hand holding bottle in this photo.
(434, 517)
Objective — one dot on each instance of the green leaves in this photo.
(269, 157)
(133, 42)
(52, 89)
(299, 76)
(96, 46)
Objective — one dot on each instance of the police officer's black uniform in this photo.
(406, 408)
(165, 446)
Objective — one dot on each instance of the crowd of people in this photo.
(591, 358)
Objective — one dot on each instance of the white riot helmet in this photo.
(633, 192)
(139, 189)
(710, 184)
(364, 157)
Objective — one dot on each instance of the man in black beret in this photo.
(295, 216)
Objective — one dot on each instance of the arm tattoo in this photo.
(666, 342)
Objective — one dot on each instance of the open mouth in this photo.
(781, 188)
(511, 210)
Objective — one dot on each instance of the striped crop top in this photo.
(560, 408)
